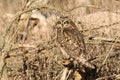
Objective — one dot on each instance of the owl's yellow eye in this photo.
(66, 22)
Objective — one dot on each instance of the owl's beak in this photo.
(65, 27)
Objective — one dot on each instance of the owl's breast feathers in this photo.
(71, 41)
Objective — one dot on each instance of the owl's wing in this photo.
(82, 59)
(81, 42)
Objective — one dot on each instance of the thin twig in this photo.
(108, 53)
(100, 26)
(106, 77)
(104, 39)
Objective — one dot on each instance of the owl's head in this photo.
(65, 23)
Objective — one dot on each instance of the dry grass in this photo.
(28, 50)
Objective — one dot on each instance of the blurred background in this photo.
(9, 7)
(100, 18)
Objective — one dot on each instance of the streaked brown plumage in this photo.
(69, 37)
(71, 42)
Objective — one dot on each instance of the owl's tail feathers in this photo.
(80, 62)
(83, 62)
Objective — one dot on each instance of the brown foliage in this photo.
(29, 50)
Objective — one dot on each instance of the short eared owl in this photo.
(71, 42)
(69, 37)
